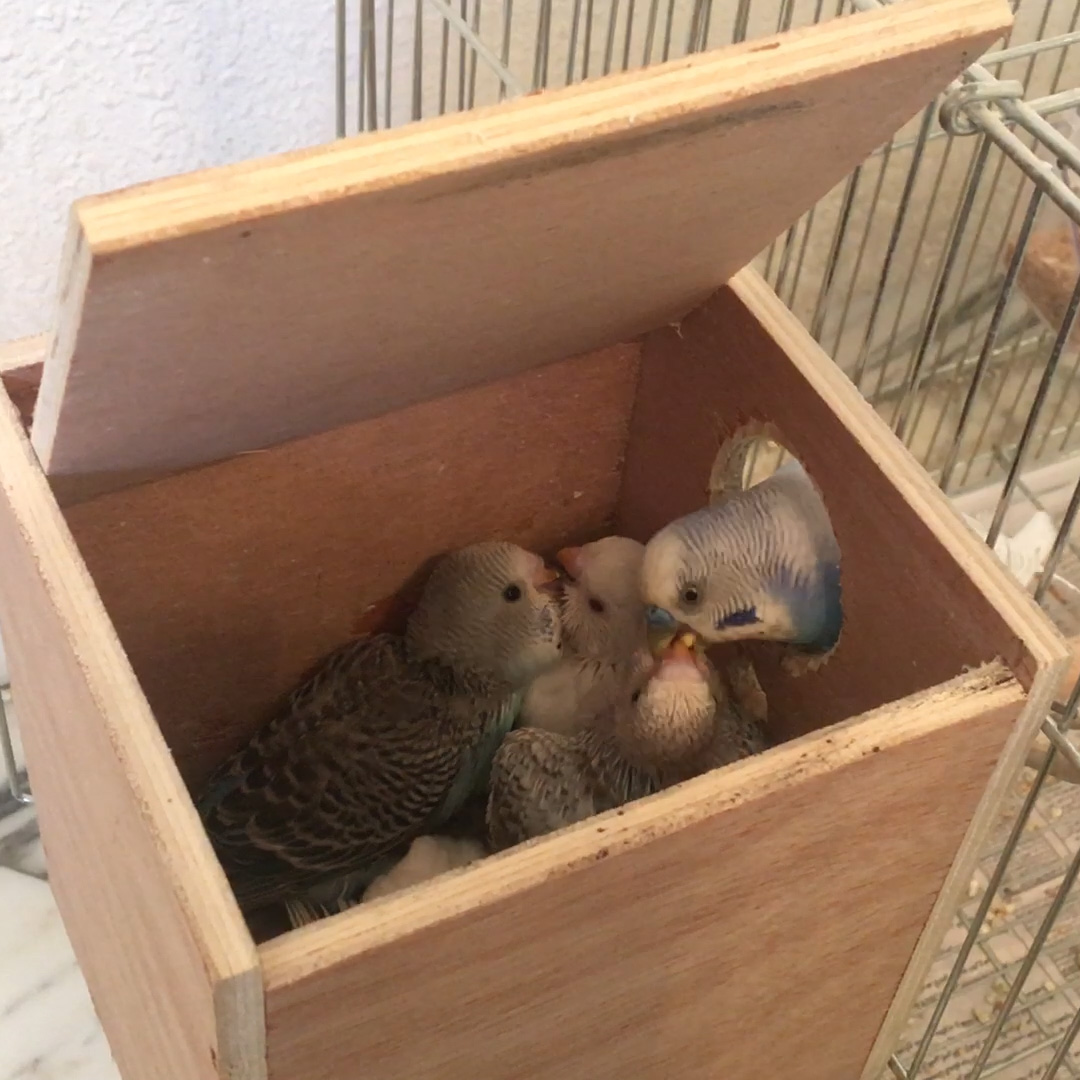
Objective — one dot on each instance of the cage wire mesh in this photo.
(943, 276)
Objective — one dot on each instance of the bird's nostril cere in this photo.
(660, 618)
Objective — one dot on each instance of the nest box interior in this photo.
(279, 388)
(227, 582)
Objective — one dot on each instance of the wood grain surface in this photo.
(752, 923)
(225, 584)
(170, 965)
(21, 364)
(236, 308)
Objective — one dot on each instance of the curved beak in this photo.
(664, 632)
(569, 558)
(682, 652)
(680, 648)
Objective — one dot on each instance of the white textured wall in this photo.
(98, 94)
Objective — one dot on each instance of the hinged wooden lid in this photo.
(230, 309)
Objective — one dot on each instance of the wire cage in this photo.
(943, 276)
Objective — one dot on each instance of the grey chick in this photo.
(676, 720)
(389, 737)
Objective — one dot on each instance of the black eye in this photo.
(511, 593)
(596, 605)
(689, 594)
(634, 697)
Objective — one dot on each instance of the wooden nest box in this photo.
(276, 389)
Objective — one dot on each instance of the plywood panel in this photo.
(239, 307)
(225, 584)
(923, 597)
(1040, 748)
(750, 924)
(23, 353)
(21, 364)
(170, 965)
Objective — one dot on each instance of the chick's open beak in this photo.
(670, 642)
(545, 578)
(680, 649)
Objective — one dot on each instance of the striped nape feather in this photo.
(763, 563)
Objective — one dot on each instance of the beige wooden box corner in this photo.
(276, 388)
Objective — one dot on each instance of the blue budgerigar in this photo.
(763, 563)
(389, 738)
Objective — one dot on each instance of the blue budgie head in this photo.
(763, 564)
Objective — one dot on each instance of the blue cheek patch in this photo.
(743, 617)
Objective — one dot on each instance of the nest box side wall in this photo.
(171, 967)
(227, 583)
(913, 615)
(651, 934)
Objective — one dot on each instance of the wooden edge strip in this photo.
(1039, 750)
(74, 279)
(1030, 624)
(583, 118)
(1071, 673)
(21, 356)
(194, 873)
(304, 952)
(21, 365)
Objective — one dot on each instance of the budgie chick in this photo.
(427, 857)
(603, 622)
(674, 721)
(687, 717)
(763, 563)
(389, 737)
